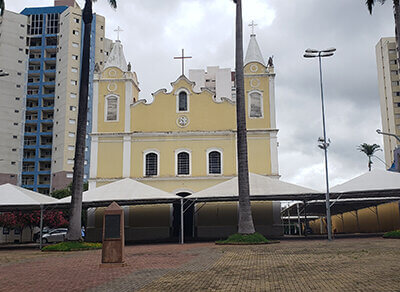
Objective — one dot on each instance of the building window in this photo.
(72, 108)
(52, 23)
(214, 162)
(75, 45)
(36, 24)
(255, 104)
(182, 101)
(73, 95)
(70, 175)
(71, 134)
(183, 165)
(111, 110)
(72, 121)
(76, 20)
(74, 82)
(74, 70)
(151, 164)
(75, 57)
(70, 161)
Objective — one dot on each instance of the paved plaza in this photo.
(351, 264)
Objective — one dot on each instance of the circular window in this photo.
(253, 68)
(112, 86)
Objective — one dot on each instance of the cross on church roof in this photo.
(252, 24)
(183, 57)
(118, 30)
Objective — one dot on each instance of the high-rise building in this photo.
(13, 61)
(389, 90)
(55, 39)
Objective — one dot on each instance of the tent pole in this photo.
(288, 214)
(41, 227)
(298, 218)
(182, 229)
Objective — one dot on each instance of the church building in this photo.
(183, 141)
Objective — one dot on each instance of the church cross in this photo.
(252, 24)
(118, 30)
(183, 60)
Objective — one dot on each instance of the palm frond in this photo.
(113, 3)
(370, 4)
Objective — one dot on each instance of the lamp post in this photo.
(324, 143)
(388, 134)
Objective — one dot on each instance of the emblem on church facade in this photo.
(182, 121)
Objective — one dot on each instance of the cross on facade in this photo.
(183, 57)
(252, 24)
(118, 30)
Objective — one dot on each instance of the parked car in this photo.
(55, 235)
(36, 236)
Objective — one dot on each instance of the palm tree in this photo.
(369, 150)
(74, 228)
(396, 12)
(246, 225)
(2, 7)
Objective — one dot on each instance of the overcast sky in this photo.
(156, 30)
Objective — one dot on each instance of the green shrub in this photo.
(244, 239)
(392, 234)
(72, 245)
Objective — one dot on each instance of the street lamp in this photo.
(324, 143)
(388, 134)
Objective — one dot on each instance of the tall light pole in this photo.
(312, 53)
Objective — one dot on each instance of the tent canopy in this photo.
(375, 180)
(125, 191)
(261, 188)
(14, 197)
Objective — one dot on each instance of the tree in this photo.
(246, 225)
(2, 7)
(369, 150)
(74, 228)
(396, 13)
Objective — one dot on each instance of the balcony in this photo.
(28, 180)
(47, 127)
(46, 141)
(45, 153)
(44, 179)
(44, 166)
(35, 55)
(31, 116)
(30, 128)
(47, 115)
(44, 191)
(35, 42)
(30, 102)
(28, 167)
(51, 41)
(30, 141)
(29, 153)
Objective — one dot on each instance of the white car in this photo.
(55, 235)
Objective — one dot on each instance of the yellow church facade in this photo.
(184, 140)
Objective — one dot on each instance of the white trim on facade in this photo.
(219, 150)
(128, 97)
(177, 99)
(272, 101)
(126, 158)
(148, 151)
(180, 150)
(93, 157)
(273, 140)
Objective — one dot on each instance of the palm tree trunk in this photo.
(369, 163)
(246, 225)
(74, 230)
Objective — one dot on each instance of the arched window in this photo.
(255, 102)
(183, 101)
(151, 164)
(183, 163)
(214, 162)
(111, 113)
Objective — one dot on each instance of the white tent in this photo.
(375, 180)
(13, 197)
(261, 187)
(126, 191)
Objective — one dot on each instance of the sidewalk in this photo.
(355, 264)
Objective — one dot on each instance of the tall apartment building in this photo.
(55, 39)
(389, 90)
(13, 60)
